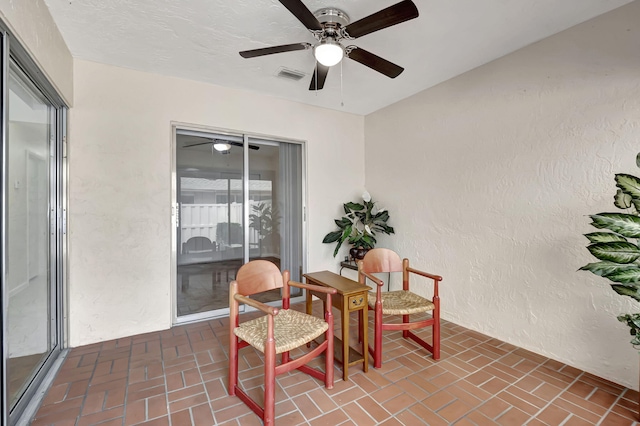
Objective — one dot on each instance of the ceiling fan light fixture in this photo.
(221, 146)
(329, 52)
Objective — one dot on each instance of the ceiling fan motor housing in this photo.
(332, 20)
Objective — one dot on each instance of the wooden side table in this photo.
(351, 297)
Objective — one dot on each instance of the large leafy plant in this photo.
(359, 225)
(618, 251)
(265, 219)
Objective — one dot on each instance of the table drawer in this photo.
(357, 301)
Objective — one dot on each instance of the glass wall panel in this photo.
(31, 314)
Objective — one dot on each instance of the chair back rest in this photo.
(198, 244)
(258, 276)
(381, 260)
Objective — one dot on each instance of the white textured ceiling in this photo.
(200, 40)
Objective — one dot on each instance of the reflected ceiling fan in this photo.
(330, 26)
(222, 145)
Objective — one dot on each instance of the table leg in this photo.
(309, 307)
(364, 327)
(309, 297)
(345, 339)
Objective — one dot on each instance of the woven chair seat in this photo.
(401, 302)
(292, 329)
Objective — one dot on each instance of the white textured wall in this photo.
(489, 178)
(119, 154)
(31, 22)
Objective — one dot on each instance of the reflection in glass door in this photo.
(30, 278)
(223, 221)
(210, 221)
(275, 207)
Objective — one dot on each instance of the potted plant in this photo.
(618, 251)
(358, 226)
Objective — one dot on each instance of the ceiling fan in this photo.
(222, 145)
(330, 26)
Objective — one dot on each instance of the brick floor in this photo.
(179, 377)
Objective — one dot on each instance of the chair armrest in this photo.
(255, 304)
(314, 287)
(425, 274)
(376, 280)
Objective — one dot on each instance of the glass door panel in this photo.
(210, 223)
(275, 206)
(31, 314)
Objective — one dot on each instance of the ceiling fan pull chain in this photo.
(341, 91)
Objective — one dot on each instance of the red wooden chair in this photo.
(277, 332)
(401, 302)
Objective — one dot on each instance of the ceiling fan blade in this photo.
(321, 72)
(303, 14)
(392, 15)
(375, 62)
(254, 147)
(275, 49)
(197, 144)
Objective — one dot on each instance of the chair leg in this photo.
(233, 364)
(377, 339)
(328, 362)
(436, 326)
(436, 337)
(405, 320)
(269, 383)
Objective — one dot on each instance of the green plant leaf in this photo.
(604, 237)
(354, 206)
(619, 252)
(628, 276)
(624, 224)
(624, 290)
(629, 184)
(633, 321)
(638, 160)
(382, 216)
(332, 237)
(368, 241)
(622, 200)
(344, 235)
(604, 268)
(342, 222)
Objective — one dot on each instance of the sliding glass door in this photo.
(237, 198)
(31, 236)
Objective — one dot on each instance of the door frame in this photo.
(175, 206)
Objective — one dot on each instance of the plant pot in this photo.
(357, 253)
